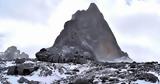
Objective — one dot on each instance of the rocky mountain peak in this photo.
(87, 36)
(91, 13)
(93, 7)
(12, 53)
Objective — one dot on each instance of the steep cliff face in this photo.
(86, 36)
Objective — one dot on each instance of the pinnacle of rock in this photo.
(92, 7)
(87, 36)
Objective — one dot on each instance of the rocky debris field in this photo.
(32, 71)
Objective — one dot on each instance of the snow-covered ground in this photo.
(52, 72)
(56, 73)
(10, 63)
(143, 82)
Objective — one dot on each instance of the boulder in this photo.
(82, 81)
(147, 77)
(87, 36)
(26, 81)
(23, 69)
(19, 61)
(23, 80)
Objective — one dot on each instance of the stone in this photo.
(82, 81)
(147, 77)
(23, 80)
(75, 70)
(114, 80)
(87, 36)
(19, 61)
(33, 82)
(23, 69)
(6, 82)
(104, 79)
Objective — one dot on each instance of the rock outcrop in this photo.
(13, 53)
(87, 36)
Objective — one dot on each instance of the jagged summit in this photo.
(93, 7)
(92, 12)
(87, 36)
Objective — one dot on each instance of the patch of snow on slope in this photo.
(10, 63)
(143, 82)
(12, 79)
(28, 62)
(45, 79)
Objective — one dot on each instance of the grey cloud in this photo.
(140, 53)
(139, 24)
(135, 26)
(2, 36)
(28, 10)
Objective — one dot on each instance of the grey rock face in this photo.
(13, 53)
(87, 36)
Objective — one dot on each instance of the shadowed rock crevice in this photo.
(87, 36)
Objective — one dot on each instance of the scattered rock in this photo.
(109, 73)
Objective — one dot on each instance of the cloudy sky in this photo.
(33, 24)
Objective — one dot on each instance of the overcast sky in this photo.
(33, 24)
